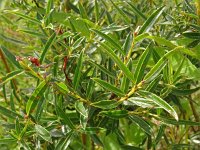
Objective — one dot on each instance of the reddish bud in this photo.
(34, 61)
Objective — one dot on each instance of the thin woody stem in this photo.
(7, 68)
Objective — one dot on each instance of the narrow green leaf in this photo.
(109, 40)
(8, 141)
(47, 46)
(49, 6)
(10, 76)
(17, 126)
(102, 69)
(125, 82)
(81, 109)
(109, 87)
(115, 114)
(96, 139)
(192, 35)
(160, 102)
(162, 41)
(64, 117)
(62, 86)
(8, 113)
(13, 40)
(34, 33)
(178, 71)
(142, 63)
(157, 68)
(182, 146)
(128, 43)
(152, 86)
(116, 59)
(10, 56)
(90, 86)
(179, 122)
(43, 133)
(96, 6)
(112, 28)
(64, 142)
(126, 19)
(151, 20)
(25, 145)
(137, 11)
(184, 92)
(160, 133)
(82, 11)
(105, 104)
(40, 108)
(141, 37)
(77, 74)
(138, 101)
(12, 104)
(32, 102)
(141, 123)
(33, 20)
(78, 42)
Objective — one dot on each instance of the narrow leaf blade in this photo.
(160, 102)
(109, 87)
(151, 20)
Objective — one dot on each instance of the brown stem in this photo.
(4, 61)
(7, 68)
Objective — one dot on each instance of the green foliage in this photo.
(99, 74)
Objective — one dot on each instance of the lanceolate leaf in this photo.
(10, 76)
(106, 71)
(152, 85)
(160, 102)
(141, 65)
(62, 87)
(109, 40)
(8, 141)
(192, 35)
(64, 142)
(137, 11)
(8, 113)
(151, 20)
(77, 74)
(81, 109)
(162, 41)
(64, 117)
(10, 56)
(157, 68)
(33, 20)
(179, 122)
(34, 33)
(47, 46)
(141, 123)
(43, 133)
(109, 87)
(120, 64)
(184, 92)
(160, 133)
(36, 96)
(126, 19)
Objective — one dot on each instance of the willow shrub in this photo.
(99, 74)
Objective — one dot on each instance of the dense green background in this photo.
(99, 74)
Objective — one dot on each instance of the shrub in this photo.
(99, 74)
